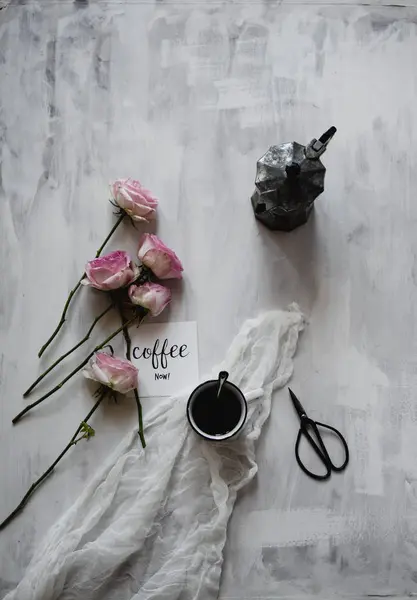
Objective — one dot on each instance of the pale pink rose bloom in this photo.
(152, 296)
(162, 261)
(110, 272)
(115, 373)
(138, 202)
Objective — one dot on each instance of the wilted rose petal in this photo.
(110, 272)
(115, 373)
(152, 296)
(138, 202)
(162, 261)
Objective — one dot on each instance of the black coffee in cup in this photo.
(213, 417)
(216, 416)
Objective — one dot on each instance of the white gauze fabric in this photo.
(152, 524)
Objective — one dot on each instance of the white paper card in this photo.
(166, 355)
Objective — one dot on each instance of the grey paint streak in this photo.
(187, 96)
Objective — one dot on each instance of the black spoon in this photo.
(223, 375)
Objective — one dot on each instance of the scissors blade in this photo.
(297, 404)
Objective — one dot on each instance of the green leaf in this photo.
(87, 430)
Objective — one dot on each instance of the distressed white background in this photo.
(186, 96)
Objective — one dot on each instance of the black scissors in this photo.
(318, 446)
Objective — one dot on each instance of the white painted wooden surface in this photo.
(186, 96)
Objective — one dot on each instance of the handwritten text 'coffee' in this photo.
(160, 357)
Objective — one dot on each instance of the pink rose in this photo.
(138, 202)
(110, 272)
(152, 296)
(159, 258)
(115, 373)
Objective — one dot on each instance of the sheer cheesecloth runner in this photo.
(152, 524)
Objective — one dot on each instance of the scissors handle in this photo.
(343, 466)
(319, 448)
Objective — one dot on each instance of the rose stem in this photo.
(56, 363)
(128, 340)
(126, 334)
(80, 366)
(140, 417)
(37, 483)
(74, 289)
